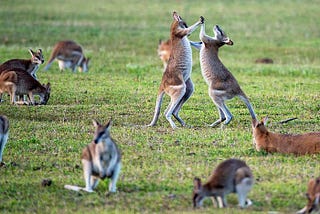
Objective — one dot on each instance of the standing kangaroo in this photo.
(313, 196)
(100, 159)
(29, 65)
(4, 133)
(222, 84)
(176, 80)
(300, 144)
(69, 55)
(230, 176)
(20, 82)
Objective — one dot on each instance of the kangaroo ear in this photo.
(109, 124)
(95, 123)
(255, 123)
(197, 184)
(176, 16)
(264, 120)
(31, 52)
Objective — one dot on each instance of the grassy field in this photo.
(159, 164)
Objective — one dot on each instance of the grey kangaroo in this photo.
(222, 84)
(100, 159)
(176, 79)
(4, 133)
(230, 176)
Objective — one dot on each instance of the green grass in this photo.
(159, 164)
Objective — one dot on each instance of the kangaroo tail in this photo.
(74, 188)
(249, 106)
(9, 76)
(157, 109)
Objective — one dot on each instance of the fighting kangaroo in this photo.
(222, 84)
(176, 79)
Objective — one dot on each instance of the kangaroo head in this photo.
(84, 65)
(44, 98)
(164, 49)
(178, 21)
(37, 57)
(221, 36)
(313, 194)
(102, 131)
(197, 196)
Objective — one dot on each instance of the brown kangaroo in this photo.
(69, 55)
(299, 144)
(176, 81)
(23, 83)
(313, 196)
(222, 84)
(230, 176)
(29, 65)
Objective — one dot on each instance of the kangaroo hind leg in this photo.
(217, 97)
(242, 191)
(187, 95)
(176, 93)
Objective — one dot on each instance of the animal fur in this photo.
(176, 80)
(100, 159)
(222, 84)
(230, 176)
(69, 54)
(299, 144)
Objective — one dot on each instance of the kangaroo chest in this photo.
(183, 58)
(212, 68)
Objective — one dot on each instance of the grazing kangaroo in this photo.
(69, 55)
(299, 144)
(4, 133)
(222, 84)
(230, 176)
(313, 196)
(176, 79)
(20, 82)
(8, 84)
(100, 159)
(29, 65)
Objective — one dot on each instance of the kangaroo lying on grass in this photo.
(100, 159)
(299, 144)
(230, 176)
(176, 80)
(222, 84)
(313, 196)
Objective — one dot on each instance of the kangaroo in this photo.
(8, 84)
(313, 196)
(230, 176)
(164, 50)
(4, 134)
(20, 82)
(29, 65)
(69, 55)
(222, 84)
(299, 144)
(100, 159)
(176, 79)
